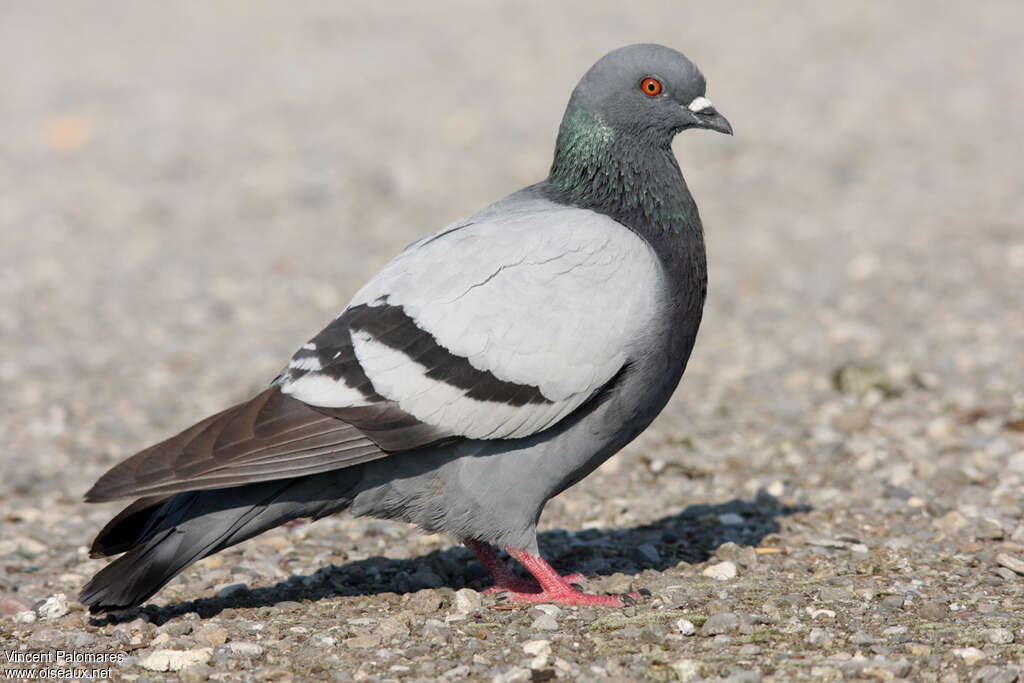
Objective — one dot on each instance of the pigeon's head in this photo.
(650, 91)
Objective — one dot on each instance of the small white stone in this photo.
(723, 571)
(244, 648)
(55, 607)
(467, 600)
(554, 611)
(535, 647)
(686, 627)
(516, 674)
(25, 617)
(686, 669)
(730, 519)
(999, 636)
(545, 622)
(970, 655)
(457, 673)
(175, 660)
(541, 651)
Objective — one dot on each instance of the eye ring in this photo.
(650, 86)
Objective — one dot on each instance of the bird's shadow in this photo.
(690, 536)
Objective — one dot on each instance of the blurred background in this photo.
(192, 190)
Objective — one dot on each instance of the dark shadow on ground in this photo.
(691, 536)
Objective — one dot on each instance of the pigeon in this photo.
(484, 370)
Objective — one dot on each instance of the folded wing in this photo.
(494, 329)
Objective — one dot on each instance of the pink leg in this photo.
(549, 585)
(504, 579)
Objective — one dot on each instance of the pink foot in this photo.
(514, 584)
(547, 586)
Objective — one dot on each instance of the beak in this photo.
(706, 116)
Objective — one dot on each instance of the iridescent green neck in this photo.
(620, 174)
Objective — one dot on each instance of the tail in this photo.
(164, 535)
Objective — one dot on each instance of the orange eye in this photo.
(651, 86)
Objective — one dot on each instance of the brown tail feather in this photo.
(271, 436)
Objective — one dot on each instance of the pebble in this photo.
(436, 630)
(988, 529)
(245, 648)
(467, 600)
(393, 627)
(617, 583)
(654, 633)
(26, 617)
(177, 627)
(175, 660)
(862, 638)
(232, 590)
(685, 627)
(195, 673)
(427, 601)
(686, 669)
(53, 607)
(544, 622)
(995, 674)
(647, 553)
(744, 556)
(366, 640)
(540, 650)
(820, 637)
(720, 641)
(1007, 574)
(211, 634)
(970, 655)
(535, 647)
(516, 674)
(553, 611)
(723, 571)
(723, 622)
(1014, 564)
(999, 636)
(458, 673)
(934, 611)
(878, 667)
(835, 594)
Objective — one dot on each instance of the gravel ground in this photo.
(835, 492)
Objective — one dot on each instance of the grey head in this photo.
(614, 148)
(648, 92)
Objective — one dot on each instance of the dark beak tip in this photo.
(720, 124)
